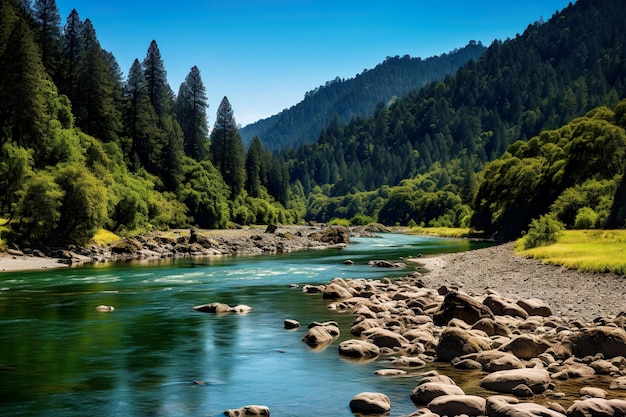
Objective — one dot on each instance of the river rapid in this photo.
(60, 357)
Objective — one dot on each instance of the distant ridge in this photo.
(395, 77)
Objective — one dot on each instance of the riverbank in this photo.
(181, 243)
(570, 293)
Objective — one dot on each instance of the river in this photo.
(59, 357)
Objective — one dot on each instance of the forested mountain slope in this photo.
(538, 80)
(358, 96)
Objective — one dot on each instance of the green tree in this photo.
(254, 161)
(72, 41)
(48, 25)
(159, 91)
(227, 150)
(15, 169)
(191, 111)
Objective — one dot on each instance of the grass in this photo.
(456, 232)
(585, 250)
(105, 237)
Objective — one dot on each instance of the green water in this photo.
(59, 357)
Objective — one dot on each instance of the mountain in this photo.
(358, 96)
(541, 79)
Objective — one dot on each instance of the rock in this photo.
(525, 347)
(604, 367)
(535, 307)
(335, 291)
(597, 407)
(426, 392)
(495, 360)
(248, 410)
(370, 403)
(461, 306)
(503, 406)
(348, 262)
(466, 364)
(332, 235)
(320, 334)
(358, 349)
(456, 405)
(592, 392)
(501, 306)
(384, 338)
(313, 289)
(492, 327)
(241, 309)
(390, 372)
(214, 308)
(607, 340)
(536, 379)
(618, 383)
(104, 309)
(522, 390)
(290, 324)
(271, 228)
(456, 342)
(386, 264)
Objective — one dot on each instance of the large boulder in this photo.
(370, 403)
(334, 291)
(248, 410)
(456, 405)
(536, 379)
(214, 308)
(607, 340)
(501, 306)
(424, 393)
(492, 327)
(525, 346)
(358, 349)
(455, 342)
(503, 406)
(597, 407)
(460, 306)
(319, 336)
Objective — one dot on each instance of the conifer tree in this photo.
(227, 150)
(94, 107)
(254, 161)
(48, 24)
(192, 105)
(72, 40)
(156, 80)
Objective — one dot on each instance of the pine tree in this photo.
(227, 150)
(192, 105)
(156, 80)
(48, 23)
(95, 110)
(254, 161)
(72, 40)
(140, 120)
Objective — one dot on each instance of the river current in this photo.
(60, 357)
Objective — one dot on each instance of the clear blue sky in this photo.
(265, 54)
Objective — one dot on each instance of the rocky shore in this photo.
(526, 339)
(180, 243)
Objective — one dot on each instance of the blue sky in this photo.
(265, 54)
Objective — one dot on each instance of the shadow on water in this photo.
(155, 356)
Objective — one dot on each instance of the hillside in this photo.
(438, 139)
(358, 96)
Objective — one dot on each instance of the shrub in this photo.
(361, 220)
(339, 222)
(542, 232)
(586, 218)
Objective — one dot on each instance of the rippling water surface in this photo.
(58, 356)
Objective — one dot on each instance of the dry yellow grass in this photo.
(585, 250)
(105, 237)
(456, 232)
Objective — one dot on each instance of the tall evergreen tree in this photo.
(254, 162)
(226, 148)
(191, 108)
(156, 80)
(72, 40)
(140, 121)
(48, 23)
(95, 110)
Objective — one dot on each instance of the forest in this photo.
(343, 99)
(532, 127)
